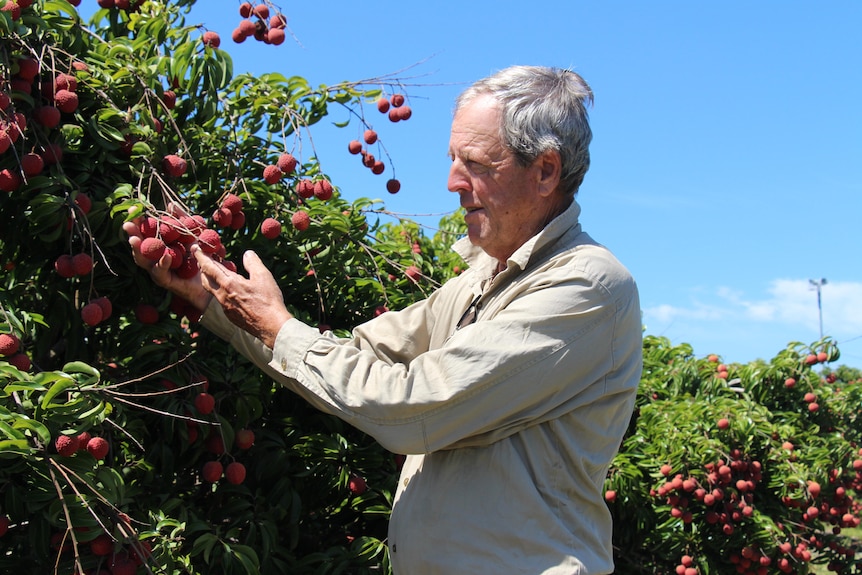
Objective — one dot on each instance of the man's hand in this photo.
(255, 304)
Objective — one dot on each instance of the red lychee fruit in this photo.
(83, 438)
(354, 147)
(275, 36)
(82, 264)
(383, 104)
(28, 68)
(238, 36)
(211, 39)
(9, 344)
(223, 217)
(413, 273)
(370, 136)
(209, 241)
(244, 438)
(9, 180)
(286, 163)
(245, 9)
(237, 221)
(300, 220)
(393, 186)
(102, 545)
(146, 313)
(305, 188)
(52, 154)
(105, 305)
(270, 228)
(65, 82)
(247, 27)
(723, 423)
(204, 403)
(12, 8)
(610, 495)
(822, 357)
(19, 361)
(48, 116)
(98, 447)
(232, 202)
(4, 525)
(84, 203)
(357, 484)
(271, 174)
(397, 100)
(212, 471)
(66, 445)
(323, 190)
(32, 164)
(235, 473)
(378, 168)
(152, 248)
(174, 165)
(66, 101)
(261, 11)
(63, 266)
(278, 21)
(169, 99)
(91, 314)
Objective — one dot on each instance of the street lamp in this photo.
(817, 285)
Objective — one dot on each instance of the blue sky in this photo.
(727, 154)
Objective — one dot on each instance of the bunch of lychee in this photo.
(68, 445)
(172, 235)
(258, 24)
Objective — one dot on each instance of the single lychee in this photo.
(84, 203)
(48, 116)
(323, 189)
(211, 39)
(28, 68)
(237, 221)
(4, 525)
(9, 180)
(370, 136)
(305, 189)
(63, 266)
(275, 36)
(244, 438)
(300, 220)
(98, 447)
(212, 471)
(413, 273)
(383, 104)
(204, 403)
(393, 186)
(223, 217)
(91, 314)
(378, 167)
(65, 82)
(174, 165)
(66, 445)
(232, 202)
(235, 473)
(397, 100)
(82, 264)
(169, 98)
(102, 545)
(12, 8)
(83, 438)
(146, 313)
(357, 484)
(209, 241)
(354, 147)
(152, 248)
(19, 361)
(278, 21)
(261, 11)
(66, 101)
(245, 9)
(270, 228)
(271, 174)
(9, 344)
(32, 164)
(286, 163)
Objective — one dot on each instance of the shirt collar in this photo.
(484, 265)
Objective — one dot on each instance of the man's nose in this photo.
(457, 181)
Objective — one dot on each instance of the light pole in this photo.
(817, 285)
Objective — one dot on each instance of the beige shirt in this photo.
(509, 423)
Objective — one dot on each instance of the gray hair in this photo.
(542, 109)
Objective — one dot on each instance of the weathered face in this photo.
(505, 202)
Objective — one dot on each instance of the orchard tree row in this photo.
(133, 442)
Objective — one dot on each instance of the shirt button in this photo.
(406, 481)
(283, 364)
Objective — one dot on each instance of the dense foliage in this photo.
(133, 442)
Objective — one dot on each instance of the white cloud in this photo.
(787, 311)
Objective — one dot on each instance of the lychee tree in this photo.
(133, 442)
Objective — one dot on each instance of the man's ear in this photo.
(549, 169)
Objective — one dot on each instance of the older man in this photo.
(510, 387)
